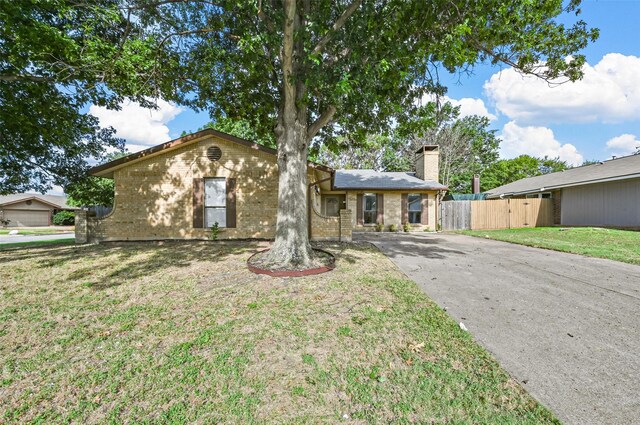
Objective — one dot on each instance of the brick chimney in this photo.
(475, 184)
(427, 163)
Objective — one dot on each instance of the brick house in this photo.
(179, 189)
(31, 209)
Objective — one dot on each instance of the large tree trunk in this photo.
(291, 247)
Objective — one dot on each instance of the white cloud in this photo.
(471, 106)
(468, 105)
(536, 141)
(140, 127)
(624, 144)
(608, 93)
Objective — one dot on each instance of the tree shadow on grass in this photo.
(345, 251)
(128, 260)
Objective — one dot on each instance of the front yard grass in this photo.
(17, 244)
(31, 232)
(619, 245)
(183, 333)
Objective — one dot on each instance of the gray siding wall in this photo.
(614, 204)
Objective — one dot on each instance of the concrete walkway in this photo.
(566, 327)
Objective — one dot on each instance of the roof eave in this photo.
(562, 186)
(35, 198)
(378, 188)
(106, 170)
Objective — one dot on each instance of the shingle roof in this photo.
(370, 179)
(58, 201)
(627, 167)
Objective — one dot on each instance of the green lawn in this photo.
(619, 245)
(65, 241)
(45, 231)
(183, 333)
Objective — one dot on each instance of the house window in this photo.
(414, 202)
(215, 202)
(370, 208)
(332, 204)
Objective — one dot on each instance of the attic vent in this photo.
(214, 153)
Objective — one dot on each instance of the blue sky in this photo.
(595, 118)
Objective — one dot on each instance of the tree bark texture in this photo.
(291, 246)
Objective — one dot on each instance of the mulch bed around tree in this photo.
(321, 262)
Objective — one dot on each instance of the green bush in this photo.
(64, 218)
(215, 229)
(393, 227)
(406, 227)
(379, 227)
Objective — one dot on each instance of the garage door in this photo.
(25, 218)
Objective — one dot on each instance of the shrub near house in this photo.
(64, 218)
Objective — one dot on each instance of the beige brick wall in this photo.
(154, 197)
(431, 165)
(352, 198)
(81, 228)
(428, 165)
(393, 210)
(326, 227)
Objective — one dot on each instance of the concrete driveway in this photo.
(566, 327)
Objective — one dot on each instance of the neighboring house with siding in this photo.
(31, 209)
(179, 189)
(602, 194)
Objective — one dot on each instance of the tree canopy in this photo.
(240, 128)
(56, 58)
(358, 64)
(90, 190)
(467, 146)
(509, 170)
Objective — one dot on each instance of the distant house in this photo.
(179, 189)
(30, 209)
(604, 194)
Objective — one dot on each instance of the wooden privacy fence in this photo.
(496, 214)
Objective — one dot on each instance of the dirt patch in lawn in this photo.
(183, 332)
(321, 262)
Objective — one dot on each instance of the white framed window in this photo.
(370, 208)
(215, 202)
(414, 208)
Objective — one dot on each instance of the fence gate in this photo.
(496, 214)
(455, 215)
